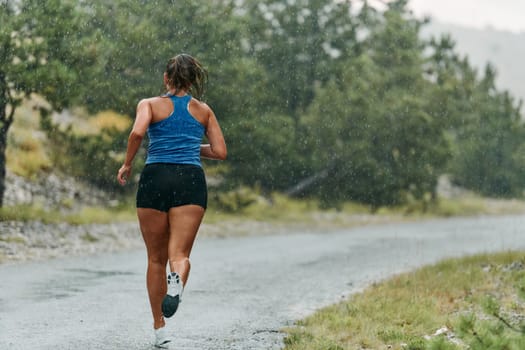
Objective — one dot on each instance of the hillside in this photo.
(504, 50)
(32, 177)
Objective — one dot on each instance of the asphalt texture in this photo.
(241, 292)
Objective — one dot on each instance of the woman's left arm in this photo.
(216, 149)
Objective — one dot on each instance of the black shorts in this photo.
(163, 186)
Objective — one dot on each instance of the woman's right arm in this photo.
(142, 121)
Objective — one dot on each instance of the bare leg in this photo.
(155, 231)
(184, 222)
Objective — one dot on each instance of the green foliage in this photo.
(298, 43)
(440, 343)
(521, 288)
(38, 57)
(27, 155)
(362, 127)
(133, 41)
(485, 125)
(38, 54)
(488, 156)
(235, 200)
(265, 153)
(26, 213)
(497, 332)
(87, 215)
(316, 98)
(91, 158)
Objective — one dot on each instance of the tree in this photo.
(40, 46)
(488, 148)
(313, 98)
(483, 124)
(369, 129)
(265, 153)
(292, 48)
(298, 42)
(133, 41)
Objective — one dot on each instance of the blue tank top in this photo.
(176, 139)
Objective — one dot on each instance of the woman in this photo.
(172, 195)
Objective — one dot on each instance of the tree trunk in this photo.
(3, 143)
(312, 179)
(306, 183)
(5, 122)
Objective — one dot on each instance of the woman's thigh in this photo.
(154, 226)
(184, 223)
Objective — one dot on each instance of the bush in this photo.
(236, 200)
(94, 158)
(499, 328)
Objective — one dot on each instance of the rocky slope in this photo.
(34, 240)
(51, 190)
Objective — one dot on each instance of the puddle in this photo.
(74, 281)
(100, 273)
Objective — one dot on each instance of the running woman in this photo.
(172, 193)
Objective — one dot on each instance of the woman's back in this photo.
(175, 134)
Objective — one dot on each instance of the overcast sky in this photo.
(506, 15)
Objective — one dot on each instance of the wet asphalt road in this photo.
(241, 292)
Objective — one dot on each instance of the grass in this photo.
(89, 238)
(27, 213)
(471, 204)
(87, 215)
(281, 209)
(10, 239)
(278, 210)
(398, 313)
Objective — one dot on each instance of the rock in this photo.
(515, 266)
(442, 330)
(51, 191)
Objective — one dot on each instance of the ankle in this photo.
(181, 267)
(159, 323)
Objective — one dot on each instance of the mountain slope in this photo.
(504, 50)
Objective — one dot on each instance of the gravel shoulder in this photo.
(37, 241)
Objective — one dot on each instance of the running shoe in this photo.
(162, 338)
(171, 301)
